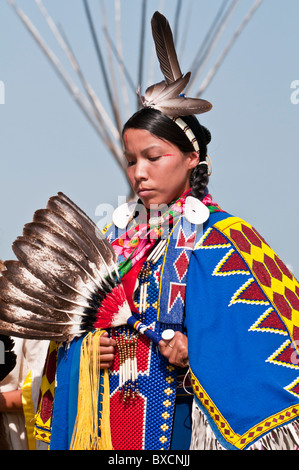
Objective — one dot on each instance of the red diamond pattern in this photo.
(252, 236)
(261, 272)
(240, 240)
(181, 265)
(282, 305)
(273, 268)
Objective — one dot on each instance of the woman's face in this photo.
(157, 170)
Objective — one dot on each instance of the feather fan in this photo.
(65, 280)
(167, 96)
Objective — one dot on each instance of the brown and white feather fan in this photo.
(65, 280)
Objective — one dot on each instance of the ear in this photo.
(192, 160)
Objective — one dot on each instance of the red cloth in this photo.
(129, 282)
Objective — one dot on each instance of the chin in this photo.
(158, 201)
(153, 202)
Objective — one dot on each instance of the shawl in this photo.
(242, 317)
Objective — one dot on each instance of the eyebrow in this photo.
(144, 151)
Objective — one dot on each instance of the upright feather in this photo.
(167, 96)
(165, 48)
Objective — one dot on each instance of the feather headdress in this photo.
(167, 96)
(65, 280)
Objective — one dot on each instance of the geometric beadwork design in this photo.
(145, 421)
(241, 442)
(212, 239)
(156, 275)
(268, 283)
(294, 388)
(177, 294)
(43, 418)
(213, 411)
(231, 264)
(265, 426)
(185, 241)
(181, 265)
(269, 322)
(249, 293)
(277, 282)
(174, 270)
(285, 356)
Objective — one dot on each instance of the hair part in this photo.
(164, 128)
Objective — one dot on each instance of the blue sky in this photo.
(47, 145)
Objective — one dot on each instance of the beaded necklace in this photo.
(127, 339)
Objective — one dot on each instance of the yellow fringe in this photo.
(86, 429)
(28, 410)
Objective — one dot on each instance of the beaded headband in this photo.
(188, 132)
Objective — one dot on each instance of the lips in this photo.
(144, 191)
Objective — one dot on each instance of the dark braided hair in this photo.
(200, 176)
(161, 126)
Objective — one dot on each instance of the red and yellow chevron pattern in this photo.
(275, 279)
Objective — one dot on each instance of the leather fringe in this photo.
(203, 438)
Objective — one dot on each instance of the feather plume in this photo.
(183, 107)
(85, 228)
(33, 287)
(65, 280)
(165, 48)
(167, 96)
(19, 330)
(156, 94)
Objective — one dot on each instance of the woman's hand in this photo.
(176, 350)
(107, 351)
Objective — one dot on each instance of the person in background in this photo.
(19, 392)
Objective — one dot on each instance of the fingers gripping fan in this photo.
(65, 280)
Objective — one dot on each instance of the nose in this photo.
(140, 170)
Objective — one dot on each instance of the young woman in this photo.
(234, 321)
(224, 374)
(162, 162)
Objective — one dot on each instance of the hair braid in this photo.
(199, 181)
(200, 176)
